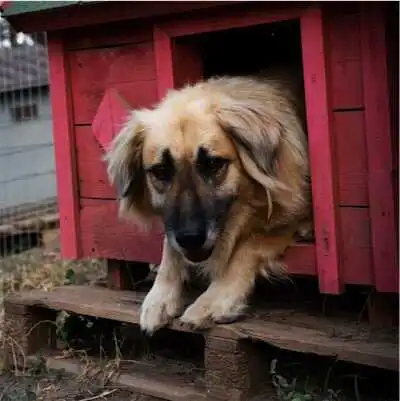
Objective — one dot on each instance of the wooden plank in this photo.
(377, 124)
(290, 330)
(93, 179)
(64, 145)
(237, 17)
(161, 385)
(93, 71)
(111, 114)
(356, 245)
(85, 16)
(393, 71)
(351, 158)
(344, 59)
(117, 33)
(164, 61)
(321, 153)
(105, 235)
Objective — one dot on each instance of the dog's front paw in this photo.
(207, 310)
(160, 306)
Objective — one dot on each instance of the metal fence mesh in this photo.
(28, 205)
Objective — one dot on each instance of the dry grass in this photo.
(43, 269)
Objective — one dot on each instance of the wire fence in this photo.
(28, 205)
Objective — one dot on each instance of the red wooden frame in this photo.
(321, 153)
(64, 145)
(379, 150)
(321, 146)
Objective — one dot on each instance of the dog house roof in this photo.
(24, 7)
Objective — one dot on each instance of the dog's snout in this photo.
(191, 238)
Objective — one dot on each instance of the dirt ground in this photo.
(52, 386)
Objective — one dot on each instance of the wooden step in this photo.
(144, 378)
(233, 366)
(288, 329)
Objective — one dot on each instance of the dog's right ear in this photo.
(125, 168)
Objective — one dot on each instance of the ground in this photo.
(292, 378)
(39, 268)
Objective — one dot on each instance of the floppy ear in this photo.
(256, 135)
(125, 168)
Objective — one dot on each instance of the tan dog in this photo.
(224, 164)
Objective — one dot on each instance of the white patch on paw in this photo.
(223, 308)
(160, 306)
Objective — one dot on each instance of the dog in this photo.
(224, 164)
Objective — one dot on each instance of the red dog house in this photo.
(108, 57)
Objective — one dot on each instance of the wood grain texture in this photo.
(93, 71)
(351, 158)
(93, 180)
(321, 153)
(290, 330)
(356, 246)
(64, 145)
(146, 379)
(379, 147)
(110, 116)
(103, 234)
(344, 58)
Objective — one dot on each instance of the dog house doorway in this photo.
(267, 39)
(260, 50)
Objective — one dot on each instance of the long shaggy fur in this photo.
(262, 119)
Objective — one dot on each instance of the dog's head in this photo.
(189, 159)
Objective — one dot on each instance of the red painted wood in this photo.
(100, 13)
(392, 36)
(356, 246)
(188, 65)
(377, 124)
(321, 153)
(164, 62)
(93, 180)
(117, 33)
(351, 157)
(64, 150)
(105, 235)
(236, 17)
(94, 71)
(301, 259)
(111, 114)
(344, 58)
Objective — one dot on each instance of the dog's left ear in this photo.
(125, 168)
(257, 136)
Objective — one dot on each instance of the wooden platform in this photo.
(228, 348)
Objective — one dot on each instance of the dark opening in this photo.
(249, 50)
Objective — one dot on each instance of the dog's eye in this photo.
(212, 165)
(160, 172)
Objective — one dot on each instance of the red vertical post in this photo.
(67, 186)
(379, 148)
(321, 153)
(164, 61)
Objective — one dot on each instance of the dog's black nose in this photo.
(191, 239)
